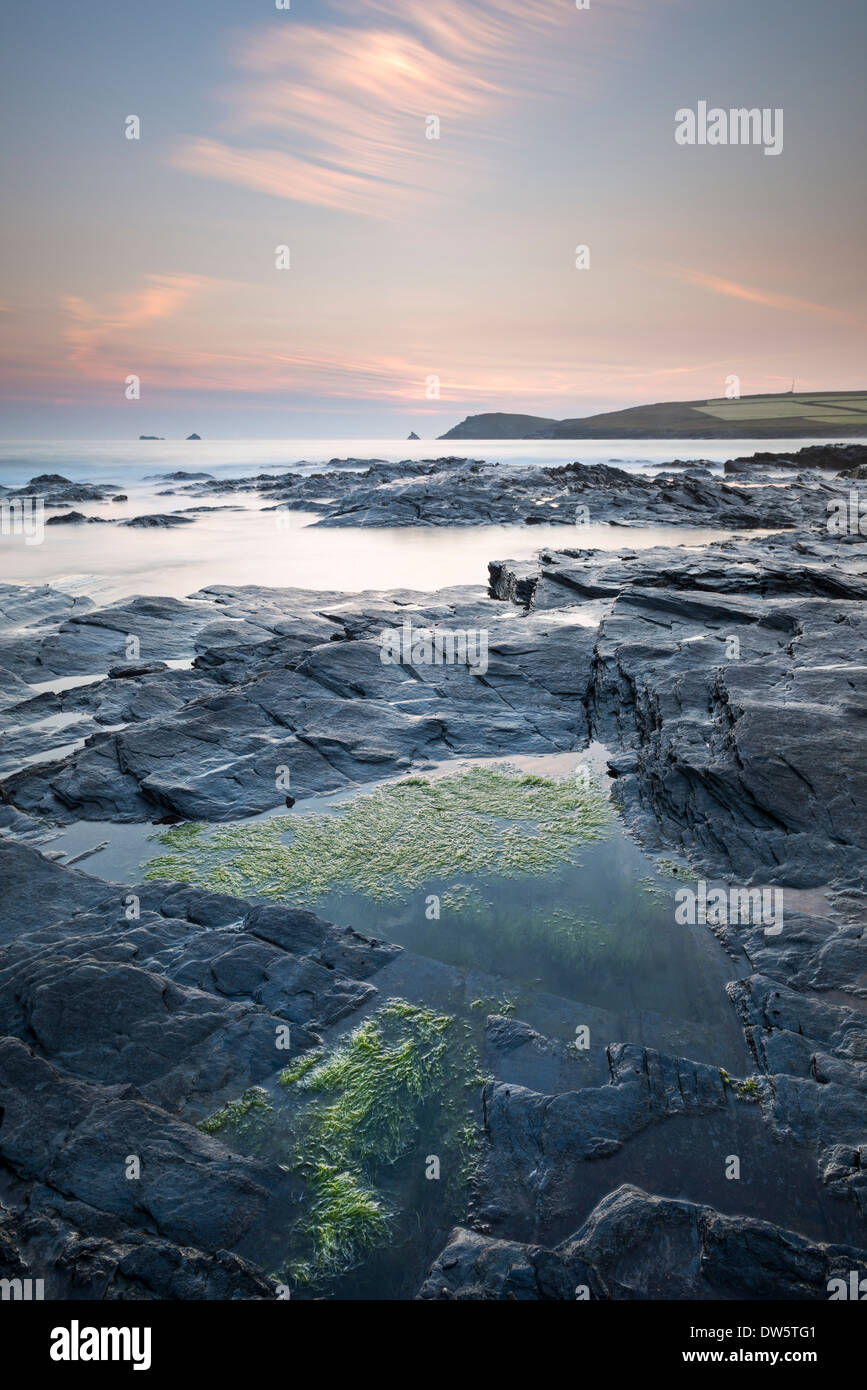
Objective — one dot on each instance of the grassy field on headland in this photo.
(800, 414)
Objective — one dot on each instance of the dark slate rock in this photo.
(637, 1246)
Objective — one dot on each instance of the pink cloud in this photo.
(769, 299)
(180, 332)
(344, 105)
(92, 328)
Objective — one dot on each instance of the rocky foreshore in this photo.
(456, 491)
(726, 683)
(453, 491)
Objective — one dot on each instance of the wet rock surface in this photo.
(91, 1254)
(53, 490)
(459, 491)
(282, 678)
(831, 456)
(731, 682)
(471, 492)
(638, 1246)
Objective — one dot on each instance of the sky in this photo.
(427, 278)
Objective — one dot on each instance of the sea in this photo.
(247, 546)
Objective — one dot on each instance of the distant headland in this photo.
(801, 414)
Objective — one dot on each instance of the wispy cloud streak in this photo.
(345, 104)
(768, 299)
(91, 328)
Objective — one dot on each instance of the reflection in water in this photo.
(248, 547)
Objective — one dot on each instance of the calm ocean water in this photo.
(248, 547)
(129, 460)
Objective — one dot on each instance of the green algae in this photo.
(502, 1006)
(357, 1122)
(239, 1114)
(345, 1221)
(373, 1080)
(462, 896)
(486, 820)
(671, 868)
(299, 1069)
(360, 1110)
(749, 1089)
(653, 888)
(744, 1090)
